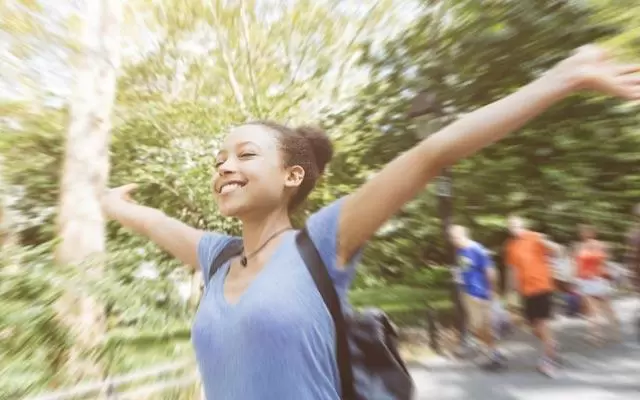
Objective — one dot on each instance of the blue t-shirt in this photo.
(278, 340)
(473, 262)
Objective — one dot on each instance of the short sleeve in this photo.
(540, 239)
(485, 258)
(323, 229)
(209, 247)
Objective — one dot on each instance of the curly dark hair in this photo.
(306, 146)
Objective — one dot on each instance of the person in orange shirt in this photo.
(527, 256)
(593, 281)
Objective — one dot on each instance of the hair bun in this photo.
(319, 143)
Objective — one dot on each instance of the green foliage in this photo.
(33, 339)
(573, 164)
(31, 145)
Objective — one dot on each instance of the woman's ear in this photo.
(295, 176)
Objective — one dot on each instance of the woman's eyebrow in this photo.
(246, 143)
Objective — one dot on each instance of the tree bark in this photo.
(81, 225)
(86, 167)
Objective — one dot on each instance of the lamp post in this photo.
(430, 117)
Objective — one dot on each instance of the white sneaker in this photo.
(547, 368)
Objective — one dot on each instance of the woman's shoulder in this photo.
(212, 239)
(323, 229)
(210, 246)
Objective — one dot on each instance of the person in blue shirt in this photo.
(262, 330)
(475, 275)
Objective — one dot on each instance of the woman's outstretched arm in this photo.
(175, 237)
(377, 200)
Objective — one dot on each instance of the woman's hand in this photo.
(114, 198)
(590, 67)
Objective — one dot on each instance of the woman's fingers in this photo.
(626, 69)
(128, 188)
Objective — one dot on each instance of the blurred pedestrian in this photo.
(527, 255)
(594, 284)
(476, 278)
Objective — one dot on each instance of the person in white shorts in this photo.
(594, 283)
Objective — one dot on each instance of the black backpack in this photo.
(367, 342)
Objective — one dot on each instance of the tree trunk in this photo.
(81, 225)
(86, 166)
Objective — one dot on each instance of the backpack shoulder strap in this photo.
(232, 249)
(324, 284)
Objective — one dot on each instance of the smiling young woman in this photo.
(262, 330)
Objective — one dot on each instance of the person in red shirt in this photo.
(593, 282)
(527, 256)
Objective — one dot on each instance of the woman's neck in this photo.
(256, 231)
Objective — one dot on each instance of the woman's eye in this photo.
(218, 164)
(247, 155)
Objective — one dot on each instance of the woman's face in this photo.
(249, 175)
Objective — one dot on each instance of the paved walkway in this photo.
(608, 373)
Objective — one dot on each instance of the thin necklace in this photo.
(245, 258)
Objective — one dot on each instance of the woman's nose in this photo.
(227, 167)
